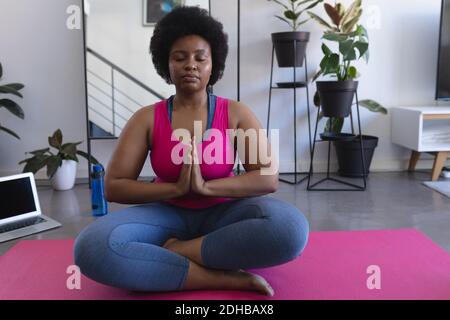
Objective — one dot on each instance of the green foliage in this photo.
(336, 124)
(44, 157)
(293, 10)
(351, 39)
(10, 105)
(352, 42)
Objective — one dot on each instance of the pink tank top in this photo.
(212, 166)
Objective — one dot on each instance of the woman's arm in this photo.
(129, 156)
(129, 191)
(256, 180)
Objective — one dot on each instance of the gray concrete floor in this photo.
(391, 201)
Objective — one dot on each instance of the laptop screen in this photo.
(16, 197)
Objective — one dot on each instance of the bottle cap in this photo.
(98, 168)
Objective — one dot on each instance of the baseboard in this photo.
(46, 183)
(285, 166)
(376, 165)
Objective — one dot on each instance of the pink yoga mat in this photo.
(333, 266)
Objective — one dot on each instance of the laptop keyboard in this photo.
(21, 224)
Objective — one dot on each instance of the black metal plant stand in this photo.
(350, 186)
(292, 85)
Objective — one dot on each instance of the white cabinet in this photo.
(423, 129)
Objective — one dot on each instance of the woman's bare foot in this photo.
(251, 282)
(190, 249)
(201, 277)
(262, 285)
(169, 243)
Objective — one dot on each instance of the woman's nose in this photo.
(191, 65)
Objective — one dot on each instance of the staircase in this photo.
(109, 107)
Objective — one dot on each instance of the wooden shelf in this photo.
(436, 116)
(412, 128)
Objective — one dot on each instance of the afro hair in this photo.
(183, 21)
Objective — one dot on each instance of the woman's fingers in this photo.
(194, 151)
(187, 159)
(197, 182)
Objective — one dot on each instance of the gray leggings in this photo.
(124, 248)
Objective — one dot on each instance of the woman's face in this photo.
(190, 63)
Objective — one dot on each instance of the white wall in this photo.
(115, 31)
(38, 50)
(401, 71)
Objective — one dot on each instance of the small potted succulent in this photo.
(336, 97)
(62, 166)
(284, 41)
(10, 105)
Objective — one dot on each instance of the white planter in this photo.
(64, 178)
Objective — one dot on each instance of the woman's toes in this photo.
(258, 283)
(262, 285)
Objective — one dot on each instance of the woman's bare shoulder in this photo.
(237, 107)
(145, 117)
(147, 111)
(237, 111)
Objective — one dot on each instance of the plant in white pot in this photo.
(62, 166)
(284, 41)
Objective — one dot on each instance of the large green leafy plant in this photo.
(293, 10)
(351, 38)
(352, 43)
(45, 157)
(10, 105)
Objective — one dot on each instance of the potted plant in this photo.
(62, 166)
(336, 97)
(10, 105)
(284, 41)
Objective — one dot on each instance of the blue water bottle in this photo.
(99, 204)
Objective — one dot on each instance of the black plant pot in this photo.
(349, 155)
(284, 47)
(336, 97)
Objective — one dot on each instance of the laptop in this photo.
(20, 212)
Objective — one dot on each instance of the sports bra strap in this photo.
(212, 99)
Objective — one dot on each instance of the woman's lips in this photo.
(190, 79)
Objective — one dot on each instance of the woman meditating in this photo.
(197, 225)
